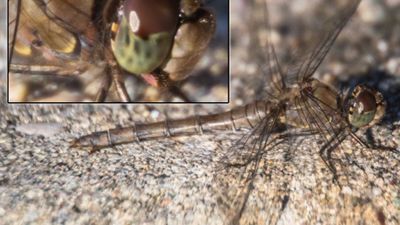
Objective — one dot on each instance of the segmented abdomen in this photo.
(241, 117)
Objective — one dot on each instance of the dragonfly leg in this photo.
(120, 85)
(331, 167)
(170, 86)
(176, 91)
(373, 145)
(105, 87)
(325, 155)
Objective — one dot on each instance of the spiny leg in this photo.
(105, 88)
(168, 85)
(372, 145)
(325, 154)
(316, 123)
(118, 81)
(176, 91)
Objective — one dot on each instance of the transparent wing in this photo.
(241, 162)
(260, 157)
(249, 155)
(314, 37)
(278, 71)
(284, 47)
(326, 38)
(263, 51)
(327, 121)
(301, 65)
(50, 38)
(47, 33)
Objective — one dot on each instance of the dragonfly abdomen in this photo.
(238, 118)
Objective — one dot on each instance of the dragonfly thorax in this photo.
(311, 100)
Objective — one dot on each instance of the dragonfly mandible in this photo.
(292, 99)
(58, 47)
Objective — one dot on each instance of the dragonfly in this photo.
(60, 48)
(293, 104)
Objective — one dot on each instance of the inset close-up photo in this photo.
(118, 51)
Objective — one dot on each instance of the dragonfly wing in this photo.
(54, 84)
(50, 38)
(243, 163)
(39, 38)
(318, 38)
(73, 15)
(265, 58)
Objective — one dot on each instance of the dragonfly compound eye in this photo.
(145, 34)
(366, 107)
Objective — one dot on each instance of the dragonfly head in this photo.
(364, 107)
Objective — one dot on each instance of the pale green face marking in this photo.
(137, 55)
(361, 119)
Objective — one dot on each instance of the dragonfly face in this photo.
(163, 47)
(172, 42)
(365, 107)
(145, 34)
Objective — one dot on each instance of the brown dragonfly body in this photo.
(289, 109)
(240, 117)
